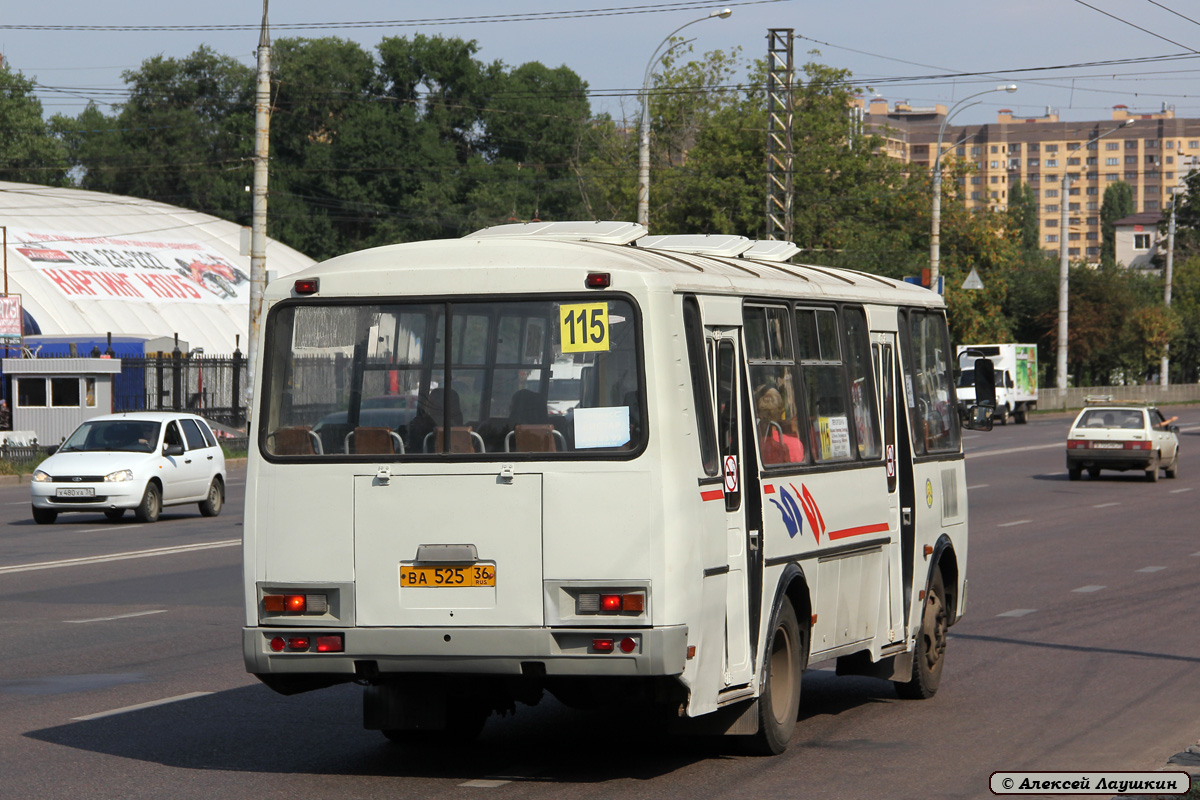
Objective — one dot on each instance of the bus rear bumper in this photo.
(482, 651)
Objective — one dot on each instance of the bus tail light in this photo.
(295, 603)
(303, 643)
(307, 285)
(332, 643)
(611, 603)
(602, 645)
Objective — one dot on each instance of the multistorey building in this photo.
(1152, 155)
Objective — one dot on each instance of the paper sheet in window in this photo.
(601, 427)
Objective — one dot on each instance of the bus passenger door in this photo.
(883, 357)
(743, 535)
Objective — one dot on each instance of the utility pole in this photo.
(258, 225)
(1163, 379)
(780, 152)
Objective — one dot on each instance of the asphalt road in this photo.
(1078, 651)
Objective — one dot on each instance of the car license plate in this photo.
(448, 577)
(1107, 445)
(73, 492)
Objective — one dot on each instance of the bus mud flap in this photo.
(892, 668)
(738, 719)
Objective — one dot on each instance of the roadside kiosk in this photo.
(51, 396)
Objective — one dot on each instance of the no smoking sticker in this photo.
(731, 474)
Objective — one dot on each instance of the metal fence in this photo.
(210, 386)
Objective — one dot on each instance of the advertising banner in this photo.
(10, 323)
(138, 268)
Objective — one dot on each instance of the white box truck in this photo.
(1016, 377)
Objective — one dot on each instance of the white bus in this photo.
(759, 468)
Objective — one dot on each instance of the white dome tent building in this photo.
(98, 272)
(87, 263)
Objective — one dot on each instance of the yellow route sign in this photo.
(583, 327)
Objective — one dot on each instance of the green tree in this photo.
(1023, 222)
(29, 152)
(1117, 204)
(184, 136)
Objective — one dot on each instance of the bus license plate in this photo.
(448, 577)
(64, 492)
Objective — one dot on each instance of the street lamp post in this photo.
(643, 201)
(935, 239)
(1064, 267)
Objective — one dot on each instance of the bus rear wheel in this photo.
(779, 702)
(930, 654)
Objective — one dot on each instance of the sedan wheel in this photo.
(44, 516)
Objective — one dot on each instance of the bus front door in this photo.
(883, 351)
(743, 529)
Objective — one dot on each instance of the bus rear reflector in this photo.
(628, 644)
(278, 643)
(330, 644)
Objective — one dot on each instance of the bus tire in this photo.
(930, 654)
(779, 702)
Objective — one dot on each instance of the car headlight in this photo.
(42, 477)
(118, 476)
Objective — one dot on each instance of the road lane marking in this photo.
(1017, 612)
(1088, 589)
(978, 486)
(1106, 505)
(1009, 450)
(1011, 524)
(158, 551)
(110, 527)
(1151, 569)
(484, 784)
(1178, 491)
(118, 616)
(140, 706)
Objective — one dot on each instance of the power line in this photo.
(1172, 11)
(1134, 25)
(536, 16)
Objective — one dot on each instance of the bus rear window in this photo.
(481, 379)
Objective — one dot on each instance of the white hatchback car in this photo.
(1122, 437)
(141, 461)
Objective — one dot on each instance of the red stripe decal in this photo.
(768, 489)
(859, 531)
(716, 494)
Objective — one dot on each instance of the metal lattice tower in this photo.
(780, 74)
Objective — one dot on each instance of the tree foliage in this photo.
(28, 153)
(420, 138)
(1117, 204)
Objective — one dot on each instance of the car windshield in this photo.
(1127, 418)
(127, 435)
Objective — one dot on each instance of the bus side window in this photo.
(701, 396)
(862, 394)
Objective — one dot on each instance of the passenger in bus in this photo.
(778, 441)
(430, 416)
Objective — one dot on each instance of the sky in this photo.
(924, 52)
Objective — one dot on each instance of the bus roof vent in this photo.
(699, 244)
(766, 250)
(605, 232)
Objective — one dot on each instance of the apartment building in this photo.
(1152, 155)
